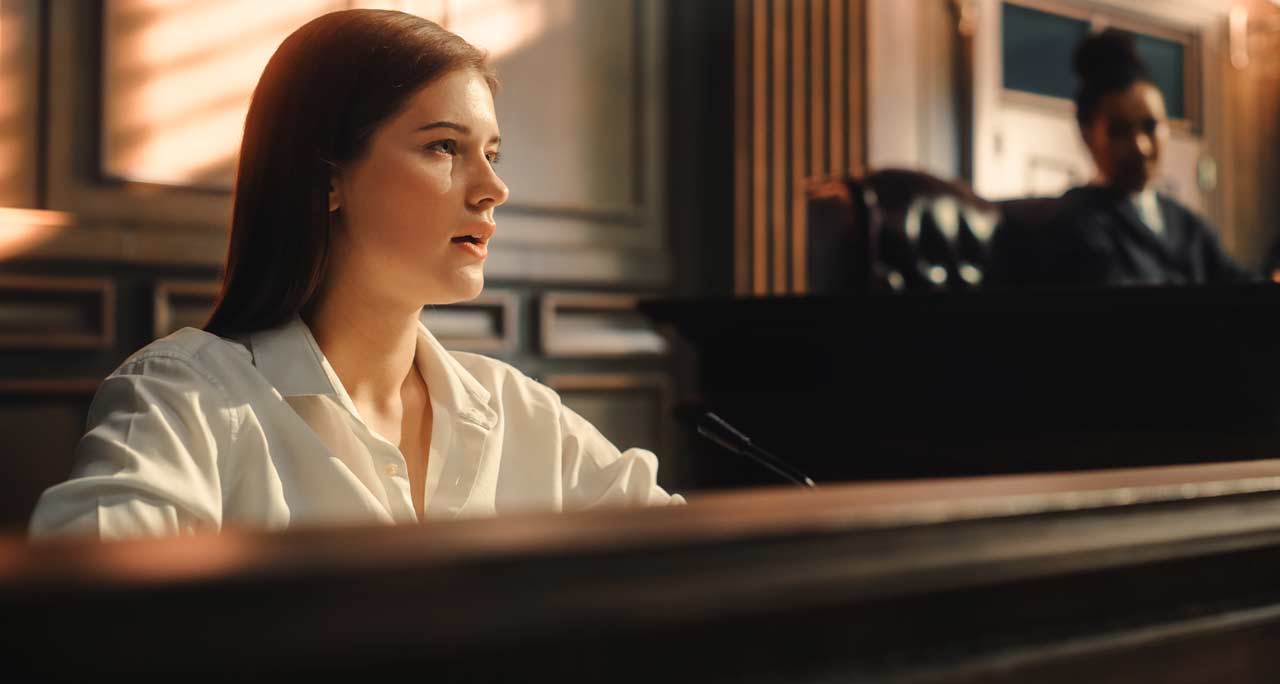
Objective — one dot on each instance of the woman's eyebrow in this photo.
(457, 127)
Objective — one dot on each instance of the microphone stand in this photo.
(715, 428)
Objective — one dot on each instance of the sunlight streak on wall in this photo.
(178, 75)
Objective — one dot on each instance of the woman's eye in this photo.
(446, 146)
(494, 157)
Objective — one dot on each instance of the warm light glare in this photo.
(198, 29)
(1238, 36)
(179, 76)
(501, 27)
(21, 230)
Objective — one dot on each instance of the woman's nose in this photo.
(489, 188)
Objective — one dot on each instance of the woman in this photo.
(366, 189)
(1117, 230)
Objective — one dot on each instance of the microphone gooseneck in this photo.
(716, 429)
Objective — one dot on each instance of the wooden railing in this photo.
(1163, 574)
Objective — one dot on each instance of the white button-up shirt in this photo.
(196, 431)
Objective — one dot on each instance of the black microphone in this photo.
(714, 428)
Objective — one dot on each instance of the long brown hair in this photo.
(323, 93)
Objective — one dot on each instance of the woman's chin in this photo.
(467, 287)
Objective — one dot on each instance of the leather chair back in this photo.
(897, 230)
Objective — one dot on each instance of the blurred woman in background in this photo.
(1117, 230)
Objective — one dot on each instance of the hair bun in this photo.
(1110, 56)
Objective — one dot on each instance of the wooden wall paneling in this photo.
(20, 74)
(630, 409)
(33, 233)
(42, 420)
(74, 181)
(596, 325)
(779, 86)
(799, 102)
(742, 149)
(839, 86)
(1250, 161)
(799, 131)
(585, 156)
(817, 89)
(759, 147)
(609, 228)
(487, 324)
(856, 80)
(39, 312)
(177, 304)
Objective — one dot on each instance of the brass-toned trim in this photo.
(553, 304)
(103, 288)
(162, 300)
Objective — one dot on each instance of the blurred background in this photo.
(654, 149)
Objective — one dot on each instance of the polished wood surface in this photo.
(1162, 574)
(895, 386)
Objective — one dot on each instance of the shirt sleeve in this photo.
(597, 474)
(148, 462)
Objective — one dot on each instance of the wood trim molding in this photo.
(95, 297)
(626, 383)
(28, 387)
(165, 294)
(555, 342)
(500, 307)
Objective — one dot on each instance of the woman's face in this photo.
(1128, 133)
(415, 212)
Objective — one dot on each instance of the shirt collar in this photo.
(291, 360)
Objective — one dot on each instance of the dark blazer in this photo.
(1093, 236)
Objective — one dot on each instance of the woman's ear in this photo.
(335, 195)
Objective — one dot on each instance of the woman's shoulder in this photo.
(197, 349)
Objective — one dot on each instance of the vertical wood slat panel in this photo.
(817, 91)
(778, 172)
(759, 149)
(856, 85)
(838, 87)
(799, 119)
(741, 147)
(799, 99)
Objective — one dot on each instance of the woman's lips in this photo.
(478, 249)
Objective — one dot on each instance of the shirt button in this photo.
(392, 470)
